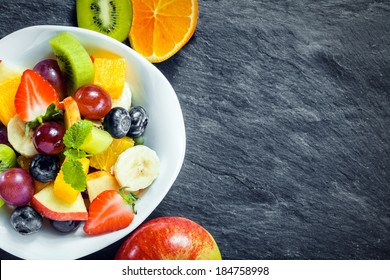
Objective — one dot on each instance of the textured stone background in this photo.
(287, 113)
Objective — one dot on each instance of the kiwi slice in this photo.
(110, 17)
(7, 157)
(73, 60)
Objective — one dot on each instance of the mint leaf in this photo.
(75, 154)
(74, 136)
(74, 174)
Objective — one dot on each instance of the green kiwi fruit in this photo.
(110, 17)
(73, 60)
(7, 157)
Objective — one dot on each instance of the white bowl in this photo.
(165, 134)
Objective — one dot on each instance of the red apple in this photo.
(46, 203)
(169, 238)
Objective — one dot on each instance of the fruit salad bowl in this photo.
(150, 89)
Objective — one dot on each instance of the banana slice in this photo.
(17, 137)
(137, 167)
(124, 100)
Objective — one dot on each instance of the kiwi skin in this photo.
(109, 17)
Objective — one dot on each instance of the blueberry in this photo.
(25, 220)
(139, 121)
(117, 122)
(44, 168)
(65, 226)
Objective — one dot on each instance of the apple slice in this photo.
(100, 181)
(46, 203)
(72, 112)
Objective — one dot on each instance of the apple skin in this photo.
(169, 238)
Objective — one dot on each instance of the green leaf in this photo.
(74, 136)
(75, 154)
(74, 174)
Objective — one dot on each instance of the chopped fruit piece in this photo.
(2, 202)
(34, 95)
(111, 210)
(110, 74)
(100, 181)
(73, 60)
(72, 112)
(96, 142)
(64, 191)
(103, 54)
(162, 28)
(40, 186)
(106, 160)
(21, 140)
(8, 89)
(137, 168)
(7, 157)
(50, 206)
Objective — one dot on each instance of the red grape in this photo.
(16, 186)
(48, 138)
(93, 101)
(50, 70)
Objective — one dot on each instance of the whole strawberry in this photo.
(110, 211)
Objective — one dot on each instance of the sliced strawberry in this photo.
(34, 95)
(111, 210)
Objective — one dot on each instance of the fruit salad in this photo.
(71, 142)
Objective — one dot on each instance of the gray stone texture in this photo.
(287, 113)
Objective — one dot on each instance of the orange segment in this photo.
(63, 190)
(161, 28)
(110, 74)
(106, 160)
(8, 89)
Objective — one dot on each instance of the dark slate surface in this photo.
(287, 113)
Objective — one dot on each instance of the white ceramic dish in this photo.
(165, 134)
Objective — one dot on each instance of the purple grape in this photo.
(3, 135)
(48, 138)
(50, 70)
(16, 186)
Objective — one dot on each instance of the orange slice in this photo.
(110, 74)
(8, 89)
(161, 28)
